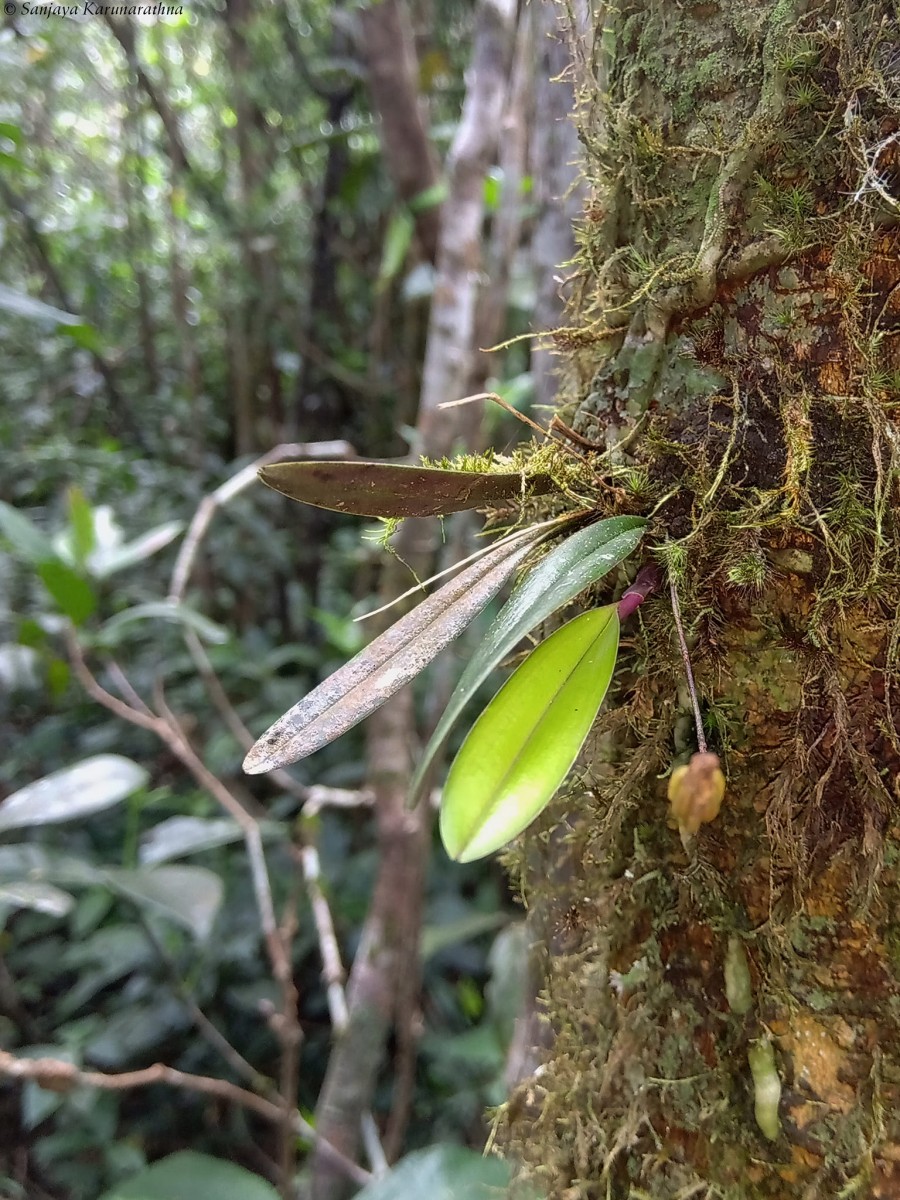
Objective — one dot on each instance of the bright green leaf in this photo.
(88, 787)
(81, 526)
(571, 566)
(73, 594)
(431, 197)
(12, 133)
(188, 1175)
(83, 335)
(524, 743)
(397, 241)
(493, 190)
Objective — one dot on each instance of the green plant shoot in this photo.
(524, 743)
(567, 569)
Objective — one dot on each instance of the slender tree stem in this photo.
(676, 613)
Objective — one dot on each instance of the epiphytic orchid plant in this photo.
(524, 743)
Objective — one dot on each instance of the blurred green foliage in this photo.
(133, 266)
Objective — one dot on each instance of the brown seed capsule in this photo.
(696, 791)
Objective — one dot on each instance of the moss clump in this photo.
(737, 347)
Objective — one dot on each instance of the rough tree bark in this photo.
(725, 1010)
(387, 44)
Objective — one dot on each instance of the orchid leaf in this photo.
(524, 743)
(571, 566)
(377, 489)
(392, 660)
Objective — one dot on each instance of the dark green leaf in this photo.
(389, 662)
(72, 593)
(188, 1175)
(189, 895)
(397, 241)
(81, 526)
(524, 743)
(376, 489)
(574, 564)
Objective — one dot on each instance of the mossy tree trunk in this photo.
(726, 1012)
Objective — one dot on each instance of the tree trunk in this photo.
(558, 192)
(725, 1006)
(384, 981)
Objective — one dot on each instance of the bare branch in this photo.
(56, 1075)
(229, 489)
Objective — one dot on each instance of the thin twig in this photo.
(229, 489)
(210, 1032)
(290, 1035)
(332, 966)
(166, 727)
(59, 1076)
(676, 613)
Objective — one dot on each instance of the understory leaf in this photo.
(442, 1172)
(377, 489)
(191, 896)
(179, 837)
(524, 743)
(163, 610)
(392, 660)
(88, 787)
(40, 897)
(574, 564)
(188, 1175)
(71, 591)
(29, 543)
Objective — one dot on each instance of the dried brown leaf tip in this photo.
(696, 791)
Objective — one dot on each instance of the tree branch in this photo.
(56, 1075)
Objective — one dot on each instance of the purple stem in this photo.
(647, 581)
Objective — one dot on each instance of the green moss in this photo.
(731, 343)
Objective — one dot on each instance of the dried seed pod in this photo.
(696, 791)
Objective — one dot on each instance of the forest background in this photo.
(241, 230)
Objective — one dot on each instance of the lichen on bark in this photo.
(734, 346)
